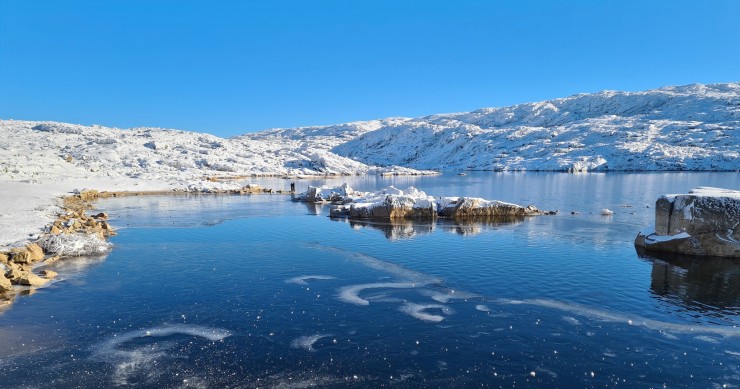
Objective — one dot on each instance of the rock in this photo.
(101, 215)
(49, 274)
(35, 251)
(55, 230)
(4, 258)
(31, 279)
(705, 222)
(5, 285)
(466, 207)
(20, 255)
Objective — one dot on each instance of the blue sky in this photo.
(229, 67)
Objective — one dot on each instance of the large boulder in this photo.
(704, 222)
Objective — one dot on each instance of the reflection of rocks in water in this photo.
(406, 228)
(394, 229)
(313, 208)
(696, 283)
(476, 225)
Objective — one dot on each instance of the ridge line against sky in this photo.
(233, 67)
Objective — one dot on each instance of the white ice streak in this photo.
(307, 342)
(482, 308)
(616, 317)
(417, 311)
(350, 294)
(384, 266)
(301, 280)
(444, 296)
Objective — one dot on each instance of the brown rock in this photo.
(35, 251)
(49, 274)
(20, 255)
(31, 279)
(55, 230)
(4, 258)
(5, 285)
(101, 215)
(52, 259)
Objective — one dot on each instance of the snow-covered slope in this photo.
(694, 127)
(32, 149)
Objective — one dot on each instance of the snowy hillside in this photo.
(30, 150)
(694, 127)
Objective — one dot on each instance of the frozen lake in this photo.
(258, 291)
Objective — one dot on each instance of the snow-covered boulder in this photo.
(704, 222)
(317, 194)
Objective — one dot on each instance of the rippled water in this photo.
(258, 291)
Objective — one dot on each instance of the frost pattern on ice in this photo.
(141, 361)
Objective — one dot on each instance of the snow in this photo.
(691, 127)
(652, 238)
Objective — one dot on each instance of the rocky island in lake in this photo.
(410, 203)
(704, 222)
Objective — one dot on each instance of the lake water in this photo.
(259, 291)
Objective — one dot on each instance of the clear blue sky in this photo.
(229, 67)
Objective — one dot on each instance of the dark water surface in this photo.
(258, 291)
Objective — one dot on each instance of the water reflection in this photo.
(406, 229)
(392, 229)
(476, 225)
(699, 284)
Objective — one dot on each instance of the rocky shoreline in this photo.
(75, 233)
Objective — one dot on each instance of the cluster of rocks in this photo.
(19, 263)
(411, 203)
(704, 222)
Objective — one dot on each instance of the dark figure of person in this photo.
(292, 187)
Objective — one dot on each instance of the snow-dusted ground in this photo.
(691, 127)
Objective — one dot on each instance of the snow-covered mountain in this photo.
(695, 127)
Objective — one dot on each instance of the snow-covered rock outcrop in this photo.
(411, 203)
(705, 222)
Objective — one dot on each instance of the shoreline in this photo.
(72, 226)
